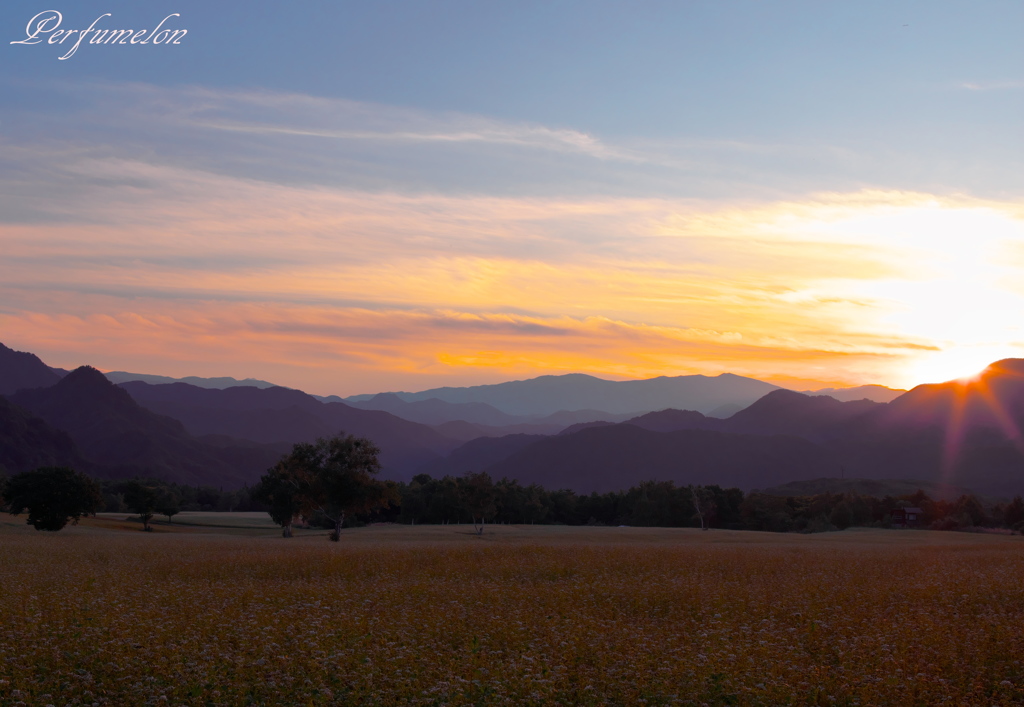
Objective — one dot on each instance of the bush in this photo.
(53, 496)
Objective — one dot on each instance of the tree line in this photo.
(332, 482)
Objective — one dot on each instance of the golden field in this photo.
(431, 615)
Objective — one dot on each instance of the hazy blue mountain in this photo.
(216, 383)
(19, 370)
(433, 411)
(547, 395)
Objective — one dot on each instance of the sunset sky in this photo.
(354, 197)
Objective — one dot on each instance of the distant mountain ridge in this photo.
(966, 433)
(962, 433)
(216, 383)
(433, 411)
(875, 393)
(546, 395)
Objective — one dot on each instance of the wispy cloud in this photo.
(203, 267)
(998, 85)
(245, 249)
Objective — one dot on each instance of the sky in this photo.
(352, 197)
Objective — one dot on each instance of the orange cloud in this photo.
(183, 272)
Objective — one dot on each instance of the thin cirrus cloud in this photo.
(199, 256)
(299, 139)
(999, 85)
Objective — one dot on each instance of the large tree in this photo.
(53, 496)
(479, 497)
(281, 489)
(142, 500)
(333, 477)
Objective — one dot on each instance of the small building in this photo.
(906, 517)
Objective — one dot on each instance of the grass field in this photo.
(222, 611)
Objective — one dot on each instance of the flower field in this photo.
(432, 615)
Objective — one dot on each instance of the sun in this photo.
(959, 362)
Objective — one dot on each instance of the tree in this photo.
(168, 504)
(53, 496)
(841, 516)
(333, 477)
(280, 489)
(478, 497)
(703, 503)
(1014, 512)
(142, 500)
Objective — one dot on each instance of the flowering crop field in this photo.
(104, 614)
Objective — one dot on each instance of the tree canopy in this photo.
(333, 477)
(140, 499)
(53, 496)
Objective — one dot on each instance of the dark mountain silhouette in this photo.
(477, 452)
(785, 412)
(964, 433)
(616, 457)
(671, 420)
(113, 431)
(573, 429)
(285, 416)
(466, 431)
(28, 442)
(724, 411)
(876, 393)
(550, 394)
(781, 412)
(20, 370)
(960, 432)
(220, 382)
(994, 399)
(660, 421)
(480, 454)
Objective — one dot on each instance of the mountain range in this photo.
(965, 433)
(547, 395)
(282, 416)
(219, 383)
(549, 430)
(120, 438)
